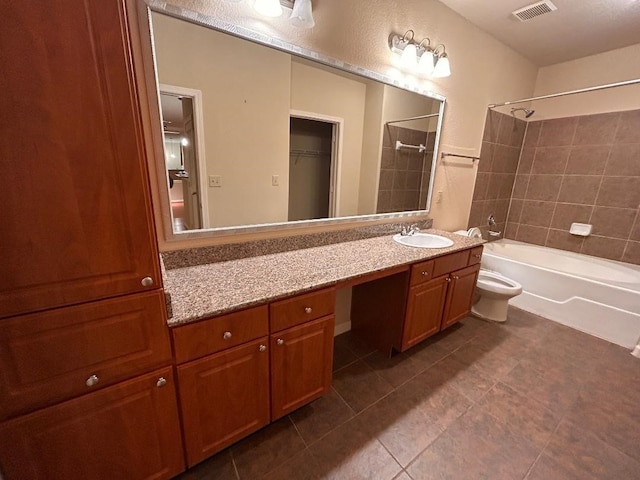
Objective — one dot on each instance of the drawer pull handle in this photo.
(308, 310)
(280, 341)
(424, 274)
(477, 255)
(226, 335)
(262, 348)
(161, 382)
(147, 281)
(92, 380)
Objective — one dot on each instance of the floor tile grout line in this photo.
(545, 447)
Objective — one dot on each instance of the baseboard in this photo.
(341, 328)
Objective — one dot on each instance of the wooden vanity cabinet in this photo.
(224, 397)
(460, 295)
(126, 431)
(301, 365)
(425, 306)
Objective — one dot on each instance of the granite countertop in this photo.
(205, 290)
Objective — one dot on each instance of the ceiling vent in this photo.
(534, 10)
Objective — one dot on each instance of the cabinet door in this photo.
(301, 362)
(424, 311)
(224, 397)
(76, 210)
(460, 295)
(127, 431)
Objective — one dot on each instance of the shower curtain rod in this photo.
(413, 118)
(570, 92)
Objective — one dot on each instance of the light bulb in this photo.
(301, 15)
(409, 57)
(268, 8)
(184, 141)
(442, 68)
(425, 64)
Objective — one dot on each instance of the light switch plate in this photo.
(275, 180)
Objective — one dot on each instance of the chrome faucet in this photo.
(413, 228)
(492, 223)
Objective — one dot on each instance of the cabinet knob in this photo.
(147, 281)
(456, 277)
(226, 335)
(448, 279)
(262, 348)
(92, 380)
(161, 382)
(280, 341)
(308, 310)
(424, 274)
(477, 255)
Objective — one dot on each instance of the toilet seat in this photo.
(496, 283)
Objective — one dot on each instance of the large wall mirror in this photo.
(254, 135)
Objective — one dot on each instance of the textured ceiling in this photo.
(577, 29)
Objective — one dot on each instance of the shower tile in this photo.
(511, 131)
(544, 187)
(384, 201)
(482, 186)
(495, 184)
(557, 132)
(431, 142)
(388, 158)
(619, 192)
(417, 137)
(537, 213)
(624, 160)
(475, 216)
(526, 160)
(486, 157)
(629, 127)
(515, 209)
(632, 253)
(589, 160)
(635, 231)
(550, 160)
(531, 234)
(511, 231)
(389, 136)
(563, 240)
(489, 209)
(413, 180)
(386, 179)
(533, 134)
(492, 126)
(506, 185)
(596, 129)
(579, 189)
(604, 247)
(415, 162)
(612, 222)
(402, 160)
(502, 208)
(568, 213)
(399, 180)
(505, 159)
(520, 186)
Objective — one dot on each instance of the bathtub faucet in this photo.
(492, 223)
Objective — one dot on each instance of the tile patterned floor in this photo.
(529, 399)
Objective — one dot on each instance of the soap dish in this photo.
(581, 229)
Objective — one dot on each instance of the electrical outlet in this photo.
(215, 181)
(439, 196)
(275, 180)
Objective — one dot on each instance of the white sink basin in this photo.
(423, 240)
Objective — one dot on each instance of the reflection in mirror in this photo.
(286, 139)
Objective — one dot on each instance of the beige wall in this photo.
(609, 67)
(484, 70)
(320, 92)
(199, 58)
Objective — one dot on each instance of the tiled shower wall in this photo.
(582, 169)
(404, 174)
(501, 145)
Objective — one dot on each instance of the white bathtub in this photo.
(596, 296)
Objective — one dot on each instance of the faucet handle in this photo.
(403, 231)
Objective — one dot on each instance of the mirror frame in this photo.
(170, 240)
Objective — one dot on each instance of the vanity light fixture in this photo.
(420, 58)
(302, 15)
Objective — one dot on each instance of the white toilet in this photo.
(494, 290)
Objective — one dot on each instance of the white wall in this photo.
(483, 70)
(609, 67)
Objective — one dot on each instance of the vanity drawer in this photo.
(219, 333)
(55, 355)
(450, 263)
(422, 272)
(302, 308)
(475, 255)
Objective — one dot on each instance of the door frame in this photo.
(198, 120)
(336, 155)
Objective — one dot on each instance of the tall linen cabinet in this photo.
(86, 383)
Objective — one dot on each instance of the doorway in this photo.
(313, 158)
(184, 156)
